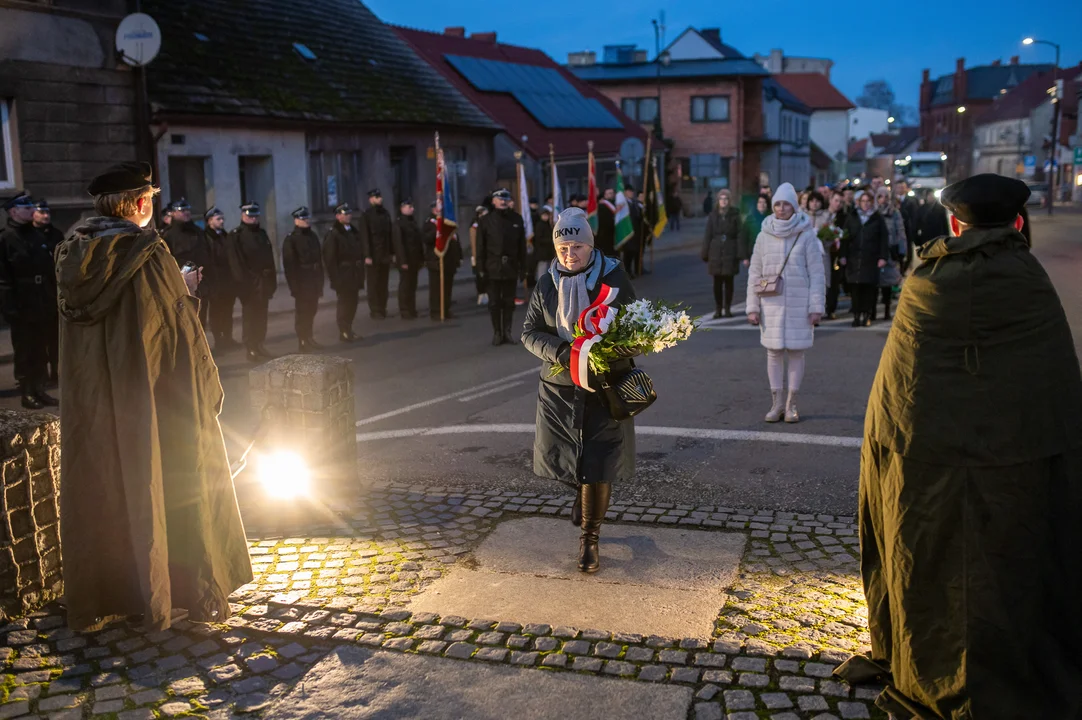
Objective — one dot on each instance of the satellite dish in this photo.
(632, 151)
(138, 39)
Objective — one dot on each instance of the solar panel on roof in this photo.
(543, 92)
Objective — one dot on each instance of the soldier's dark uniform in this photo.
(218, 285)
(28, 300)
(251, 264)
(410, 255)
(343, 257)
(501, 257)
(50, 236)
(302, 260)
(376, 229)
(188, 243)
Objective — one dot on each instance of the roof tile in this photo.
(815, 90)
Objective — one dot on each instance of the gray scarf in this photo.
(573, 290)
(865, 216)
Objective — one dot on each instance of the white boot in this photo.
(791, 415)
(777, 410)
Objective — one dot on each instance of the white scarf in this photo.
(786, 228)
(864, 217)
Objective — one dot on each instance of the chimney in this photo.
(711, 35)
(455, 32)
(584, 57)
(997, 63)
(484, 37)
(1014, 59)
(925, 76)
(960, 65)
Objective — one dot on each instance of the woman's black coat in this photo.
(723, 243)
(577, 440)
(863, 247)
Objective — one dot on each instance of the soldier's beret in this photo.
(343, 209)
(250, 209)
(502, 193)
(123, 177)
(42, 205)
(302, 213)
(213, 212)
(986, 200)
(21, 199)
(375, 193)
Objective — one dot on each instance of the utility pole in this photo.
(1054, 145)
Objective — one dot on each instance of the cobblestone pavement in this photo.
(795, 612)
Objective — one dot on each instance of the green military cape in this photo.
(149, 518)
(971, 492)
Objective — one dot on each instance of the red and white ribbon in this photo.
(593, 322)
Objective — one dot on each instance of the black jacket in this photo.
(543, 248)
(723, 242)
(377, 233)
(188, 243)
(216, 273)
(27, 274)
(452, 258)
(343, 255)
(251, 262)
(302, 261)
(408, 248)
(863, 247)
(605, 239)
(576, 434)
(932, 222)
(501, 245)
(638, 226)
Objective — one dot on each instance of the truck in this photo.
(923, 171)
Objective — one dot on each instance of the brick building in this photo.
(67, 103)
(949, 104)
(711, 100)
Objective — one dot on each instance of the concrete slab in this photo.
(653, 581)
(353, 683)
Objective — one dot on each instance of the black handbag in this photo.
(627, 394)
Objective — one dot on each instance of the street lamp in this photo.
(1055, 122)
(961, 108)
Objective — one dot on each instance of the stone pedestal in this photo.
(313, 414)
(29, 511)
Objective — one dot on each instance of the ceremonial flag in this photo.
(662, 218)
(445, 207)
(624, 229)
(557, 195)
(591, 197)
(524, 204)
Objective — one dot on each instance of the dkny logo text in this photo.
(565, 231)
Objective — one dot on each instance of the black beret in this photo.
(21, 199)
(407, 201)
(343, 209)
(375, 193)
(123, 177)
(986, 200)
(302, 213)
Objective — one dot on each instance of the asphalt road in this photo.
(438, 406)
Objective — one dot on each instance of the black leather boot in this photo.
(508, 338)
(595, 503)
(497, 326)
(30, 401)
(313, 345)
(45, 398)
(576, 508)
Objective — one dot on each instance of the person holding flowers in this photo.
(786, 295)
(578, 441)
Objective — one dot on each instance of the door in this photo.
(187, 179)
(257, 185)
(404, 165)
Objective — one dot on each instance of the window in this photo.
(7, 163)
(712, 108)
(640, 109)
(709, 171)
(333, 178)
(683, 168)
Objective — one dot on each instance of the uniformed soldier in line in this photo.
(251, 264)
(51, 237)
(376, 231)
(167, 215)
(217, 285)
(28, 299)
(501, 257)
(344, 256)
(188, 243)
(302, 261)
(631, 249)
(452, 258)
(605, 238)
(482, 297)
(409, 253)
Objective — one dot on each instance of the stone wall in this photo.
(29, 511)
(315, 415)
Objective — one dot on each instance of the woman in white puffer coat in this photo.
(786, 320)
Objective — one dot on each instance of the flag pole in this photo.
(645, 217)
(522, 211)
(439, 229)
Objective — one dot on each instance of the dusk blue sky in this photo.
(867, 41)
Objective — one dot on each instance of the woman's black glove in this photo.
(563, 356)
(626, 352)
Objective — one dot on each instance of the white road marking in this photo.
(709, 317)
(699, 433)
(822, 328)
(490, 391)
(445, 398)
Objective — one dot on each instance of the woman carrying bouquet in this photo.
(723, 249)
(578, 442)
(786, 293)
